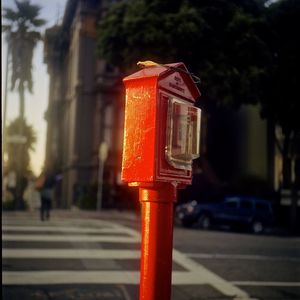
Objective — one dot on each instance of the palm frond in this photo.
(22, 39)
(10, 15)
(38, 22)
(5, 28)
(30, 12)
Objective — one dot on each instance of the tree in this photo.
(281, 101)
(221, 40)
(12, 147)
(245, 51)
(20, 27)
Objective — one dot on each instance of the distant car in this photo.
(236, 211)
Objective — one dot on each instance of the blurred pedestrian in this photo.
(45, 184)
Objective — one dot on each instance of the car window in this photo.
(261, 206)
(231, 203)
(246, 204)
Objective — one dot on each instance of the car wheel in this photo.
(257, 227)
(205, 221)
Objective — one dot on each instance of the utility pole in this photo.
(102, 156)
(5, 107)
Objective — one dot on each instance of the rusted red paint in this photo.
(144, 165)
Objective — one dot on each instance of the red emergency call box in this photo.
(162, 126)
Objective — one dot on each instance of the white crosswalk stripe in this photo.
(28, 229)
(71, 253)
(92, 231)
(67, 238)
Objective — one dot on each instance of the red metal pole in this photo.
(157, 241)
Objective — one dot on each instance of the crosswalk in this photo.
(88, 252)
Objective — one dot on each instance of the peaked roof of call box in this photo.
(163, 71)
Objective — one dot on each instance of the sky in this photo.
(36, 103)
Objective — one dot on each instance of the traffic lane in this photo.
(253, 270)
(105, 292)
(223, 242)
(250, 262)
(273, 292)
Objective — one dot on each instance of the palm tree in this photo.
(13, 162)
(20, 27)
(28, 144)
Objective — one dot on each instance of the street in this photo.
(90, 255)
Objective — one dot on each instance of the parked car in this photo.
(236, 211)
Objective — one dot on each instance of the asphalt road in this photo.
(84, 256)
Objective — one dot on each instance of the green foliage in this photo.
(25, 17)
(139, 30)
(13, 150)
(239, 48)
(87, 202)
(22, 46)
(281, 100)
(224, 41)
(10, 205)
(245, 51)
(86, 196)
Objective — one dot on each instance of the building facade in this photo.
(85, 105)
